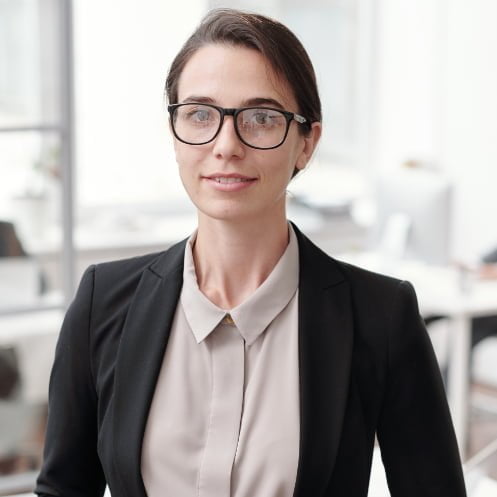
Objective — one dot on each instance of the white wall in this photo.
(471, 120)
(123, 49)
(407, 81)
(436, 81)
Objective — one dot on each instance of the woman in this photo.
(244, 361)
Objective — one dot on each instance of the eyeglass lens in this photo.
(258, 127)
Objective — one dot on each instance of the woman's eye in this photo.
(262, 118)
(199, 115)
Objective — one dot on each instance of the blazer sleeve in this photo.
(71, 467)
(415, 432)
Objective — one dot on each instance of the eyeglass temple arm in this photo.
(300, 119)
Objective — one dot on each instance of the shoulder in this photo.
(122, 273)
(119, 269)
(96, 317)
(107, 289)
(363, 282)
(378, 290)
(367, 279)
(388, 326)
(388, 329)
(380, 304)
(119, 274)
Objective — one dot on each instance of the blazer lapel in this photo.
(140, 355)
(325, 351)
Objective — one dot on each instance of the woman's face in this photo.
(230, 77)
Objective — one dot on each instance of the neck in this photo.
(232, 259)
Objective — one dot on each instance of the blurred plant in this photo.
(49, 162)
(45, 169)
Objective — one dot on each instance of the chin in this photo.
(228, 213)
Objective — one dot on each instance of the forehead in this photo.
(231, 74)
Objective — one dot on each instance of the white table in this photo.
(460, 308)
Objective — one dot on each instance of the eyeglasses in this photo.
(258, 127)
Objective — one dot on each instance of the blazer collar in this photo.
(325, 349)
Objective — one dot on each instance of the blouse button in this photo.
(228, 320)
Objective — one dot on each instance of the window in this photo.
(35, 222)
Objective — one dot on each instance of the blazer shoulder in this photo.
(379, 299)
(130, 269)
(361, 277)
(323, 268)
(134, 264)
(113, 284)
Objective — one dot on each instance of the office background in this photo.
(87, 171)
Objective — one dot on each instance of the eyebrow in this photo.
(246, 103)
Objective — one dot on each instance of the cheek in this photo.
(187, 158)
(290, 157)
(186, 169)
(298, 145)
(276, 174)
(293, 146)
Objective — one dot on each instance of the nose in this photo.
(227, 144)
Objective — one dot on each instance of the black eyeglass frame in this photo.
(289, 116)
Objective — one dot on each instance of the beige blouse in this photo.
(224, 420)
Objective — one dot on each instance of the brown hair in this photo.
(272, 39)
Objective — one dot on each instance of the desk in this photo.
(440, 292)
(460, 309)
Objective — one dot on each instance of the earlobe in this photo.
(302, 158)
(301, 161)
(310, 143)
(313, 139)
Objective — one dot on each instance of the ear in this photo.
(310, 142)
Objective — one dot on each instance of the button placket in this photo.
(225, 415)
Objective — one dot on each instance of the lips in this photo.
(227, 178)
(223, 179)
(229, 182)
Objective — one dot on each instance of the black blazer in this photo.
(366, 366)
